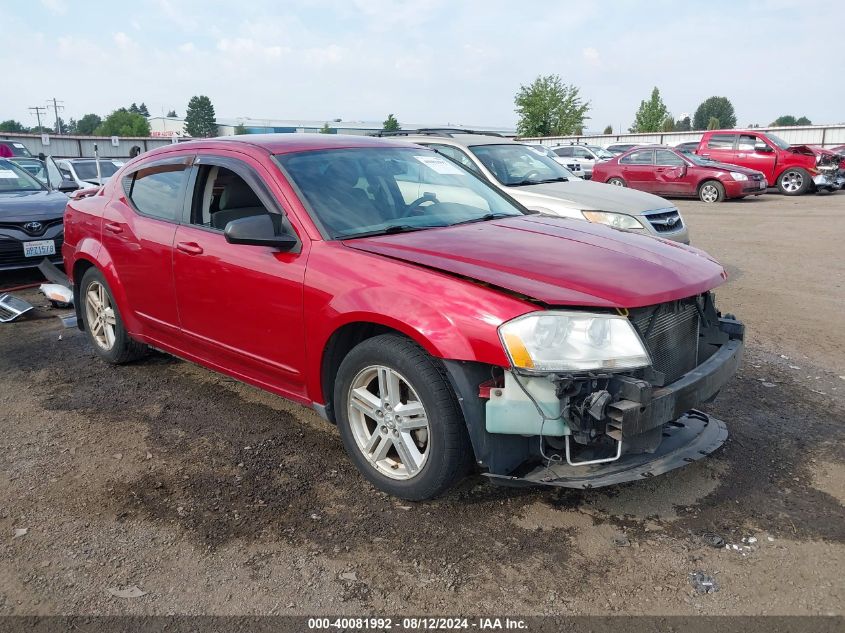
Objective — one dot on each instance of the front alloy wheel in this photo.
(794, 181)
(399, 418)
(389, 422)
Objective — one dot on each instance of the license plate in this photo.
(39, 248)
(763, 185)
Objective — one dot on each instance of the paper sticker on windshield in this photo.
(441, 165)
(8, 173)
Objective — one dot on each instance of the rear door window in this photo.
(640, 157)
(721, 141)
(158, 190)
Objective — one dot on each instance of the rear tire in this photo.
(711, 191)
(617, 182)
(399, 418)
(794, 181)
(103, 322)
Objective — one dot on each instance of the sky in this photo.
(428, 61)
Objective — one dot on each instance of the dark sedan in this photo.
(31, 216)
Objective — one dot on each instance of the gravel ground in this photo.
(215, 498)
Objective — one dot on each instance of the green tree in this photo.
(714, 107)
(172, 113)
(326, 129)
(87, 124)
(787, 120)
(548, 107)
(683, 125)
(391, 124)
(651, 114)
(608, 130)
(11, 125)
(122, 122)
(668, 124)
(240, 128)
(134, 108)
(713, 123)
(71, 126)
(142, 109)
(200, 120)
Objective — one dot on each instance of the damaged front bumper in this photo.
(637, 428)
(831, 179)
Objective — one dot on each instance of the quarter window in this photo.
(721, 141)
(641, 157)
(158, 190)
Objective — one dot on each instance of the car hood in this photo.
(24, 206)
(558, 261)
(587, 195)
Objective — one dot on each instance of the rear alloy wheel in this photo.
(794, 181)
(711, 191)
(617, 182)
(102, 321)
(399, 420)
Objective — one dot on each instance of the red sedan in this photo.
(436, 322)
(669, 172)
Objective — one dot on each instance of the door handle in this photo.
(113, 227)
(703, 154)
(191, 248)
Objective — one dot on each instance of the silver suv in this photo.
(541, 184)
(584, 155)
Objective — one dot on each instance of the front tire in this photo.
(617, 182)
(794, 181)
(103, 323)
(711, 191)
(399, 419)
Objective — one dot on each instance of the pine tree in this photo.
(200, 120)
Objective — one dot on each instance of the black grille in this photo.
(21, 226)
(11, 253)
(670, 332)
(666, 221)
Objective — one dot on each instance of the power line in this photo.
(38, 110)
(56, 108)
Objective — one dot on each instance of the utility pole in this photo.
(56, 108)
(38, 110)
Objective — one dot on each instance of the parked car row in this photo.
(723, 164)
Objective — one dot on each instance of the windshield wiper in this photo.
(485, 218)
(523, 183)
(390, 230)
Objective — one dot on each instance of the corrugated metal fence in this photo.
(824, 135)
(64, 146)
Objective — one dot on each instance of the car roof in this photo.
(466, 140)
(286, 143)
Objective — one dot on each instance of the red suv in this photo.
(795, 169)
(433, 319)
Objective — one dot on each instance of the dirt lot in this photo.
(215, 498)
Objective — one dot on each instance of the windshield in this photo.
(515, 165)
(14, 178)
(33, 167)
(778, 141)
(370, 191)
(545, 151)
(87, 170)
(601, 153)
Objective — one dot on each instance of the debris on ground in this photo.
(703, 583)
(20, 532)
(620, 540)
(713, 540)
(11, 307)
(60, 296)
(349, 575)
(132, 591)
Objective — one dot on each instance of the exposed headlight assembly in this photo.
(616, 220)
(738, 176)
(557, 341)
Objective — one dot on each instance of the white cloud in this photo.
(123, 41)
(56, 7)
(591, 57)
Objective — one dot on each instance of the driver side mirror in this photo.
(66, 186)
(259, 230)
(763, 148)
